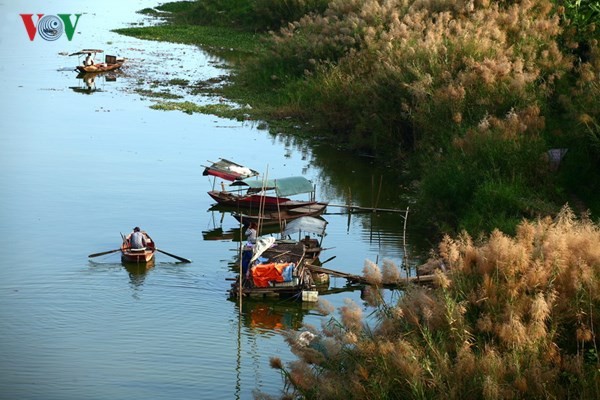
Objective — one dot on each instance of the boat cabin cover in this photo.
(307, 225)
(229, 170)
(283, 186)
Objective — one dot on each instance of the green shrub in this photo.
(492, 177)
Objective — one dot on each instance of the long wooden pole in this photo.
(404, 244)
(241, 281)
(379, 192)
(352, 207)
(261, 206)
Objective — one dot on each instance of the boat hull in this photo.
(277, 217)
(145, 256)
(98, 67)
(256, 201)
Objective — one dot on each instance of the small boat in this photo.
(110, 63)
(304, 226)
(254, 193)
(274, 268)
(249, 191)
(281, 267)
(312, 246)
(282, 216)
(139, 256)
(102, 67)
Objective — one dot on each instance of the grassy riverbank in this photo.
(471, 95)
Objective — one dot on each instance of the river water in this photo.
(81, 166)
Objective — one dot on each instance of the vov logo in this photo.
(50, 27)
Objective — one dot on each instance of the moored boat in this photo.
(248, 191)
(281, 267)
(282, 216)
(271, 194)
(141, 255)
(228, 170)
(274, 268)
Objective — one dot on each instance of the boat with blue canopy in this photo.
(266, 194)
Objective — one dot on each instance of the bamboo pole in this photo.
(404, 244)
(379, 192)
(241, 282)
(349, 199)
(351, 207)
(263, 200)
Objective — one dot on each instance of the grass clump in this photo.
(188, 107)
(515, 317)
(162, 94)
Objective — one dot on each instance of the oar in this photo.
(329, 259)
(103, 253)
(185, 260)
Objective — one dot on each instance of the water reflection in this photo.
(276, 315)
(222, 214)
(88, 81)
(137, 272)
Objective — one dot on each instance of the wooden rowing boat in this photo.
(101, 67)
(246, 200)
(138, 256)
(110, 63)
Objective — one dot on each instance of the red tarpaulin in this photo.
(262, 274)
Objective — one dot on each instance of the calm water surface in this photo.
(79, 167)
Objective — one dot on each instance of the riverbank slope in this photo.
(491, 107)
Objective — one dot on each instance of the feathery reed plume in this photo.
(390, 273)
(372, 295)
(324, 307)
(275, 362)
(497, 331)
(351, 316)
(372, 273)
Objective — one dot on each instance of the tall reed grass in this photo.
(445, 86)
(411, 65)
(515, 317)
(398, 78)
